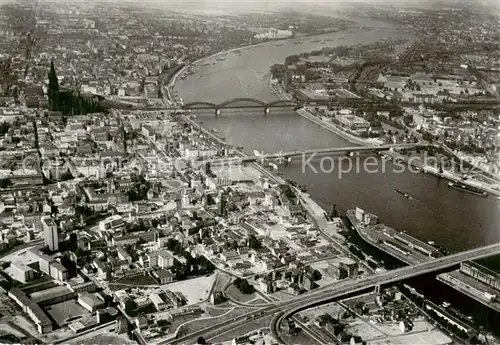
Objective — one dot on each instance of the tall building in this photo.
(50, 235)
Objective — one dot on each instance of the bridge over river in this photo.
(253, 103)
(285, 155)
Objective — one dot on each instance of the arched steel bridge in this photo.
(233, 103)
(249, 103)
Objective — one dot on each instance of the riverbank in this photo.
(332, 128)
(173, 79)
(233, 83)
(395, 155)
(453, 177)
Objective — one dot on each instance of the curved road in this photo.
(338, 290)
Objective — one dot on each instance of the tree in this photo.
(66, 176)
(428, 137)
(5, 183)
(222, 205)
(290, 60)
(254, 243)
(4, 128)
(73, 241)
(139, 189)
(201, 341)
(130, 307)
(83, 210)
(278, 70)
(316, 275)
(83, 257)
(244, 286)
(312, 74)
(53, 89)
(408, 119)
(69, 265)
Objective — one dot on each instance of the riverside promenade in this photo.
(304, 112)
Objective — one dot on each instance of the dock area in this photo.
(469, 286)
(330, 230)
(397, 244)
(329, 126)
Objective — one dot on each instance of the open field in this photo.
(242, 330)
(181, 320)
(222, 281)
(24, 323)
(257, 301)
(6, 329)
(195, 290)
(332, 309)
(109, 339)
(300, 339)
(139, 280)
(206, 322)
(429, 338)
(215, 312)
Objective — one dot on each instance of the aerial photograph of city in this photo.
(250, 172)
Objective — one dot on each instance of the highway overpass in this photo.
(336, 291)
(353, 286)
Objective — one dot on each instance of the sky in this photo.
(274, 4)
(270, 5)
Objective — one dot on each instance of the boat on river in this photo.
(469, 189)
(406, 195)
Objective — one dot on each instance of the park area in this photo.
(236, 295)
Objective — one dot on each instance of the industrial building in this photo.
(481, 273)
(365, 217)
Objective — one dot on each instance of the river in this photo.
(448, 217)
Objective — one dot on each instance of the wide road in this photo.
(338, 290)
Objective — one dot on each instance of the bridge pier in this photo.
(217, 112)
(266, 111)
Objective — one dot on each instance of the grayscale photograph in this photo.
(250, 172)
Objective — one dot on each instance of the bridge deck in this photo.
(352, 286)
(313, 151)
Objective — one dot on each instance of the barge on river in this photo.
(469, 189)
